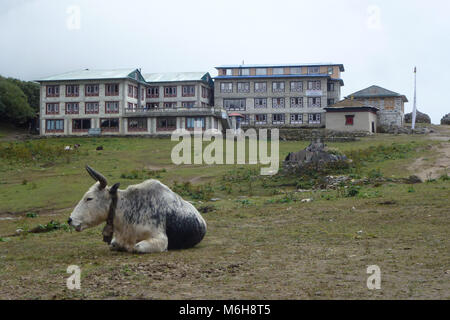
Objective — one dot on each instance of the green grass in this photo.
(262, 242)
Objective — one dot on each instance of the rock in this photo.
(306, 200)
(420, 117)
(413, 179)
(99, 148)
(313, 155)
(446, 119)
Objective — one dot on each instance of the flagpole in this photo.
(413, 121)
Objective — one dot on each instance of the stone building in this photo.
(391, 104)
(288, 95)
(121, 101)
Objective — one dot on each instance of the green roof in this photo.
(376, 92)
(177, 76)
(87, 74)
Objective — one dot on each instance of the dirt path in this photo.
(433, 169)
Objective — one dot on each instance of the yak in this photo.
(145, 218)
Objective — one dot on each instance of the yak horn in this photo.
(97, 177)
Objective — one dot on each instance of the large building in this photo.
(391, 105)
(288, 95)
(123, 101)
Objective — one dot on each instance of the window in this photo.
(296, 86)
(330, 101)
(192, 123)
(188, 91)
(277, 102)
(260, 118)
(81, 125)
(130, 91)
(53, 91)
(137, 124)
(297, 102)
(72, 90)
(152, 105)
(170, 105)
(314, 85)
(188, 104)
(228, 72)
(109, 124)
(261, 71)
(277, 71)
(130, 107)
(314, 118)
(243, 87)
(330, 86)
(296, 118)
(205, 92)
(135, 92)
(170, 91)
(168, 123)
(142, 94)
(72, 108)
(244, 72)
(278, 86)
(260, 86)
(112, 107)
(52, 108)
(91, 90)
(91, 107)
(112, 89)
(349, 120)
(226, 87)
(260, 102)
(54, 125)
(153, 92)
(330, 70)
(296, 70)
(314, 102)
(278, 118)
(234, 104)
(246, 119)
(313, 70)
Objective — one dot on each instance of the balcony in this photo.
(181, 112)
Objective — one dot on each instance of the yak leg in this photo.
(155, 244)
(115, 246)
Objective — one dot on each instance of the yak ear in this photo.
(114, 188)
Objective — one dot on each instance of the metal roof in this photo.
(281, 76)
(243, 66)
(376, 92)
(349, 104)
(176, 76)
(87, 74)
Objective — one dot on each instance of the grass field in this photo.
(262, 241)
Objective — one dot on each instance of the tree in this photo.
(14, 103)
(31, 90)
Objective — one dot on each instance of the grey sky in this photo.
(379, 42)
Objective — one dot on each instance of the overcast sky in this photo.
(379, 42)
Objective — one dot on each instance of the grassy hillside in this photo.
(262, 240)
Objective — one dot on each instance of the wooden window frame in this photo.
(223, 90)
(109, 93)
(349, 119)
(74, 94)
(296, 89)
(297, 105)
(189, 93)
(276, 90)
(241, 90)
(263, 106)
(52, 95)
(72, 112)
(95, 94)
(51, 103)
(168, 95)
(153, 95)
(192, 129)
(282, 115)
(314, 121)
(279, 106)
(112, 112)
(264, 115)
(54, 130)
(264, 83)
(110, 129)
(298, 115)
(91, 112)
(166, 128)
(82, 129)
(139, 129)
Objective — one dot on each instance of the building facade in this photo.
(121, 102)
(351, 115)
(391, 104)
(292, 95)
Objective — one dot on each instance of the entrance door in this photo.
(373, 126)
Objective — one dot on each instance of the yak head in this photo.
(94, 206)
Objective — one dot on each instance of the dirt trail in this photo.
(425, 169)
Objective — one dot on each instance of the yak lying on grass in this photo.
(147, 217)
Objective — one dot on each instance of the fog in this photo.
(379, 42)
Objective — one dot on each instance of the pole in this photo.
(413, 121)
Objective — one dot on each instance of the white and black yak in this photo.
(147, 217)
